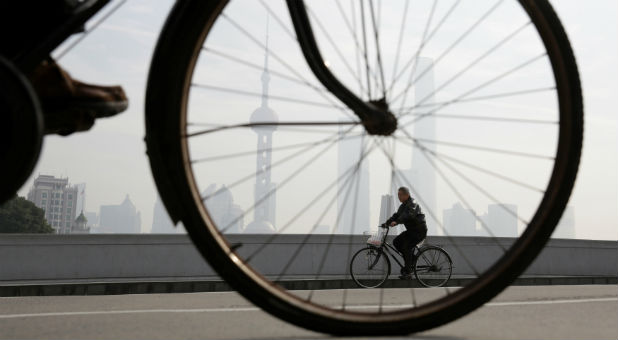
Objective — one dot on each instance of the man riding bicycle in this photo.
(410, 215)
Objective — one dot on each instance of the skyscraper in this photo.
(459, 221)
(354, 210)
(227, 215)
(501, 220)
(264, 213)
(58, 199)
(421, 176)
(120, 219)
(161, 221)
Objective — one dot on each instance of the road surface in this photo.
(522, 312)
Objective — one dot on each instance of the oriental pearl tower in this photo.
(265, 190)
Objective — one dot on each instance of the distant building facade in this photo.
(120, 219)
(58, 199)
(161, 221)
(459, 221)
(227, 215)
(420, 178)
(353, 194)
(501, 220)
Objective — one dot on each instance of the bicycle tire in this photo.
(21, 131)
(168, 152)
(449, 263)
(381, 281)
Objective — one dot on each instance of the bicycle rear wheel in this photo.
(370, 267)
(433, 267)
(507, 102)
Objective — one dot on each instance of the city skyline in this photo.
(99, 148)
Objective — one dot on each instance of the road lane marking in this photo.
(254, 309)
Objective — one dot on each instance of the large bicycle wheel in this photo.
(370, 267)
(275, 178)
(433, 267)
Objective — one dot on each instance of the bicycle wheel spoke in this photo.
(261, 67)
(412, 140)
(487, 118)
(253, 152)
(286, 29)
(363, 29)
(332, 43)
(400, 40)
(424, 41)
(259, 95)
(257, 124)
(462, 97)
(377, 41)
(418, 52)
(475, 62)
(491, 173)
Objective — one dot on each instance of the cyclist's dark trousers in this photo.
(405, 243)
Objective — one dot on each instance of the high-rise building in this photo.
(227, 215)
(353, 194)
(566, 226)
(58, 199)
(459, 221)
(500, 219)
(120, 219)
(387, 209)
(420, 178)
(265, 193)
(161, 221)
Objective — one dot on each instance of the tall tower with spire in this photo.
(265, 189)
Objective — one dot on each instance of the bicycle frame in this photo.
(387, 248)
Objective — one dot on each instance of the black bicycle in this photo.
(370, 267)
(366, 79)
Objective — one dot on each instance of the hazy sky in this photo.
(111, 157)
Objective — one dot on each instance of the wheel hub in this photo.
(380, 121)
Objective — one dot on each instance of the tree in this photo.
(19, 215)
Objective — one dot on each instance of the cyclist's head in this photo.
(403, 193)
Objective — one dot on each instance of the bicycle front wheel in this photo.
(370, 267)
(433, 267)
(273, 176)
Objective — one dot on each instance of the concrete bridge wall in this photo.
(98, 257)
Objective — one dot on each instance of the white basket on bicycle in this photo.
(377, 237)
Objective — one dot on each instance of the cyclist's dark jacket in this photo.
(410, 215)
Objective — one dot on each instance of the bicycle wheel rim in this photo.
(260, 290)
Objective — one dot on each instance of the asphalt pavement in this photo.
(521, 312)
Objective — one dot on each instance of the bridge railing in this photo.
(136, 257)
